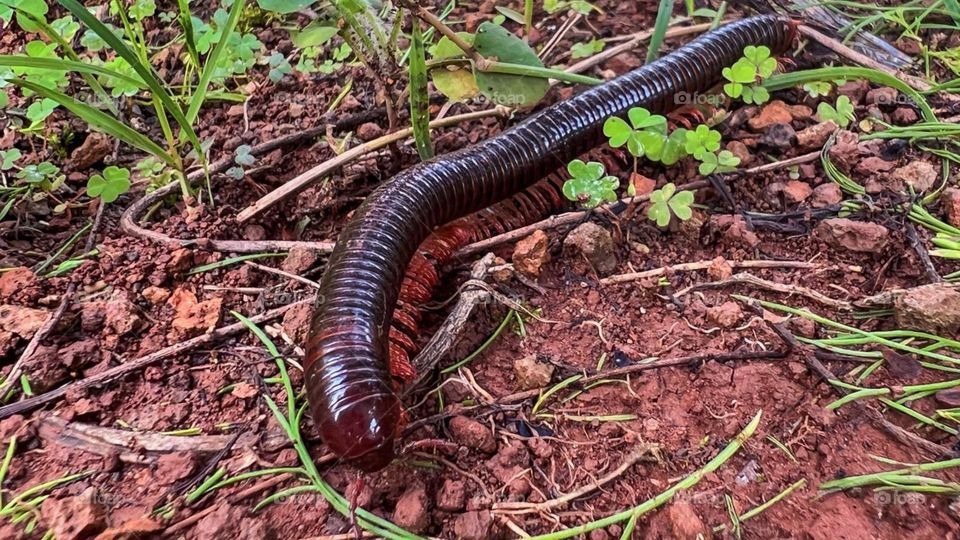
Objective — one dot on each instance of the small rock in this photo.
(299, 260)
(369, 131)
(803, 327)
(532, 374)
(904, 116)
(452, 495)
(14, 280)
(134, 529)
(121, 315)
(779, 136)
(595, 244)
(719, 269)
(74, 518)
(855, 90)
(477, 525)
(735, 230)
(642, 184)
(826, 194)
(173, 467)
(295, 110)
(882, 96)
(922, 175)
(740, 150)
(80, 354)
(254, 232)
(192, 316)
(873, 165)
(94, 148)
(951, 205)
(156, 295)
(531, 254)
(726, 315)
(472, 434)
(21, 321)
(684, 521)
(930, 308)
(859, 236)
(775, 112)
(235, 110)
(816, 135)
(796, 192)
(845, 151)
(411, 510)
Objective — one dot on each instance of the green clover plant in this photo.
(667, 202)
(745, 77)
(589, 186)
(114, 182)
(842, 114)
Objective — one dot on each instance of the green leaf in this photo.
(702, 140)
(35, 174)
(283, 6)
(617, 130)
(419, 95)
(313, 35)
(144, 71)
(8, 158)
(242, 155)
(456, 83)
(114, 182)
(446, 48)
(843, 114)
(214, 58)
(39, 110)
(99, 120)
(494, 41)
(680, 205)
(641, 118)
(742, 72)
(818, 88)
(667, 202)
(61, 65)
(141, 9)
(36, 8)
(584, 50)
(279, 66)
(66, 27)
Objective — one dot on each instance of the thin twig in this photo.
(702, 265)
(786, 288)
(295, 185)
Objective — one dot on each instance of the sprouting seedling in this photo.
(589, 186)
(666, 202)
(701, 141)
(243, 158)
(817, 88)
(279, 66)
(114, 182)
(722, 162)
(644, 134)
(746, 75)
(842, 114)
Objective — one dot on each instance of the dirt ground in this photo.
(462, 461)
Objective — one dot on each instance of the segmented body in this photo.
(348, 380)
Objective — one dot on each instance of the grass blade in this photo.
(145, 71)
(187, 24)
(659, 29)
(99, 119)
(196, 101)
(419, 99)
(59, 64)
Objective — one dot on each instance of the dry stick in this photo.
(570, 218)
(142, 362)
(130, 445)
(862, 59)
(922, 253)
(817, 367)
(13, 376)
(702, 265)
(786, 288)
(529, 508)
(297, 184)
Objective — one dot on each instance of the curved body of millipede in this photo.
(347, 365)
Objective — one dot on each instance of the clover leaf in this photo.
(760, 58)
(842, 114)
(721, 162)
(242, 155)
(35, 174)
(583, 50)
(817, 88)
(114, 182)
(644, 135)
(755, 94)
(741, 73)
(8, 158)
(667, 202)
(588, 185)
(279, 66)
(702, 140)
(39, 110)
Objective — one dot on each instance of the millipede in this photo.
(388, 255)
